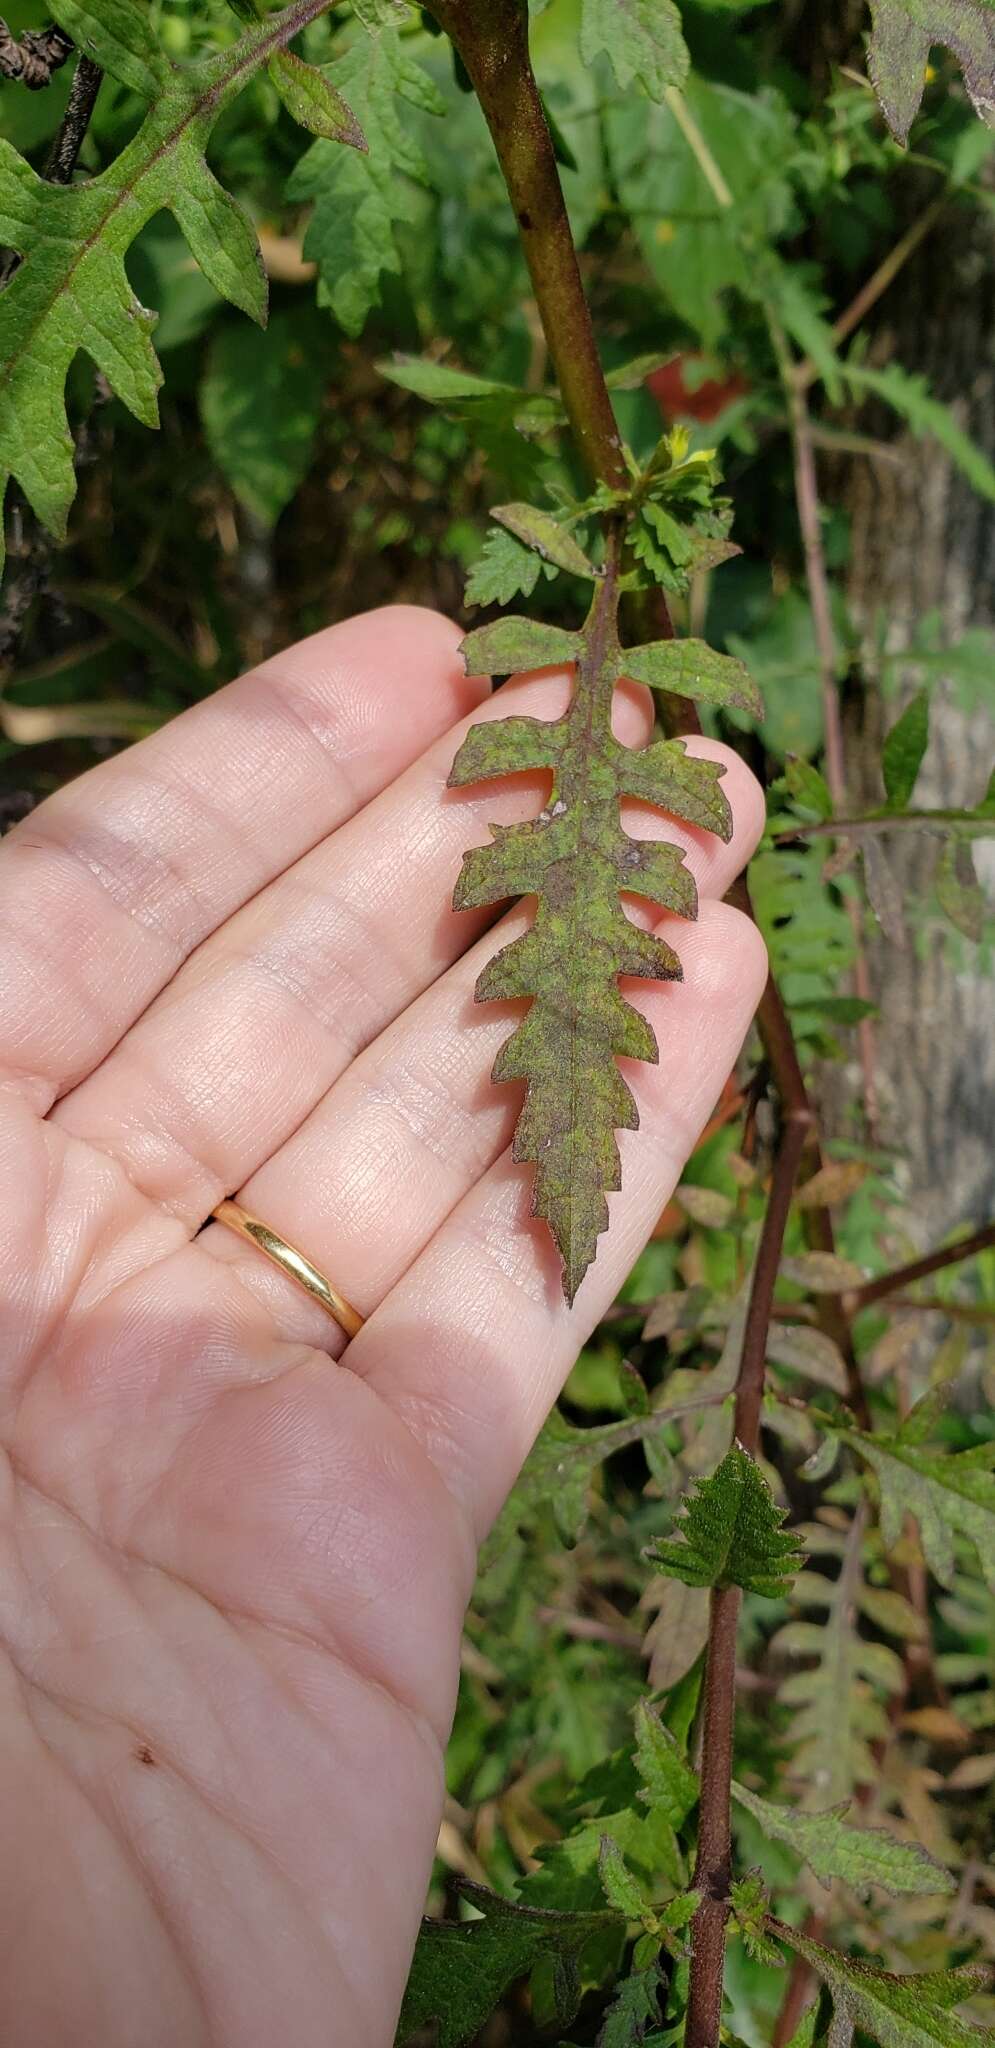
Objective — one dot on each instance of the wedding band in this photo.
(293, 1262)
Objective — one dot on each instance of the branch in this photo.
(75, 122)
(810, 522)
(713, 1868)
(982, 1240)
(866, 824)
(493, 41)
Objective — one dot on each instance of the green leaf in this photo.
(732, 1534)
(117, 35)
(902, 34)
(643, 39)
(904, 748)
(690, 668)
(860, 1856)
(822, 1272)
(504, 569)
(807, 787)
(634, 2008)
(560, 1467)
(260, 400)
(312, 100)
(576, 859)
(958, 891)
(360, 199)
(625, 1892)
(514, 643)
(948, 1493)
(911, 397)
(897, 2012)
(542, 532)
(669, 1785)
(71, 291)
(750, 1905)
(461, 1969)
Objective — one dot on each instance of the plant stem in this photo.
(492, 38)
(810, 522)
(75, 122)
(866, 824)
(805, 373)
(981, 1240)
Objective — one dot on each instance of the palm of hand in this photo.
(232, 1571)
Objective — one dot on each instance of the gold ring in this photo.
(293, 1262)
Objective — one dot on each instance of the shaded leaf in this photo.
(883, 892)
(731, 1534)
(706, 1206)
(897, 2011)
(833, 1848)
(903, 33)
(912, 399)
(643, 39)
(460, 1969)
(669, 1785)
(822, 1272)
(904, 748)
(690, 668)
(635, 2006)
(958, 891)
(833, 1183)
(809, 1352)
(260, 401)
(948, 1493)
(677, 1633)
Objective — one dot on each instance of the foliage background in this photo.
(293, 482)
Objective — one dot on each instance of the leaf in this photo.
(948, 1493)
(958, 891)
(635, 2006)
(690, 668)
(822, 1272)
(360, 199)
(643, 39)
(504, 569)
(576, 859)
(809, 1352)
(260, 400)
(705, 1206)
(669, 1785)
(750, 1906)
(883, 892)
(897, 2012)
(904, 748)
(71, 291)
(834, 1703)
(542, 532)
(902, 34)
(678, 1632)
(807, 787)
(859, 1856)
(833, 1183)
(911, 397)
(514, 643)
(461, 1969)
(313, 101)
(625, 1892)
(559, 1469)
(732, 1534)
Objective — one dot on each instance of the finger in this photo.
(255, 1029)
(472, 1347)
(111, 884)
(365, 1181)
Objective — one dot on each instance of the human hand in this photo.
(233, 1571)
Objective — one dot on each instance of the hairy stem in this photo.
(492, 38)
(69, 141)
